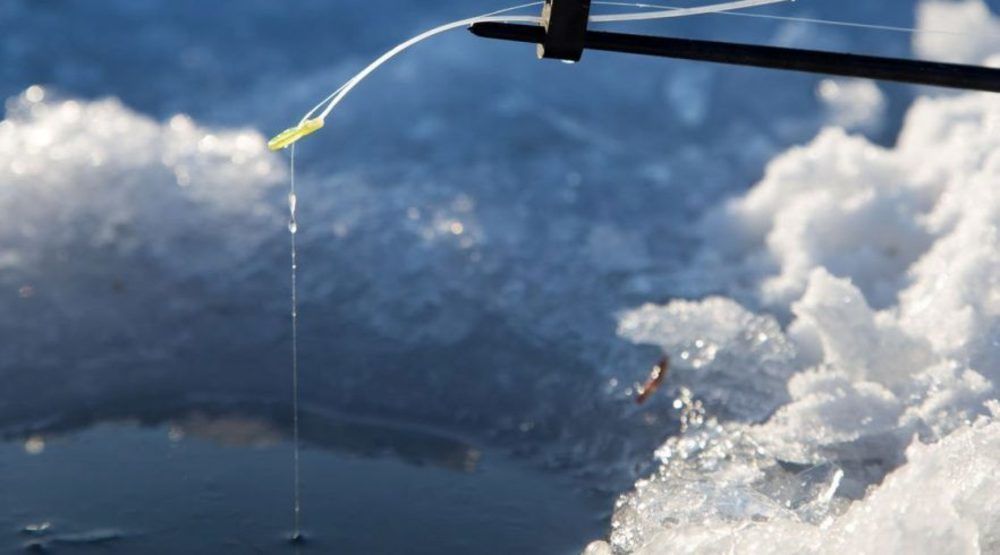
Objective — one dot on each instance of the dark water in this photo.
(220, 483)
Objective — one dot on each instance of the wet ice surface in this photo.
(482, 253)
(217, 481)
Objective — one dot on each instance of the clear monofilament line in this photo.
(327, 105)
(349, 86)
(498, 16)
(683, 12)
(293, 228)
(817, 21)
(403, 46)
(314, 118)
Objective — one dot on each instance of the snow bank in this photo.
(979, 36)
(862, 418)
(853, 104)
(118, 232)
(167, 178)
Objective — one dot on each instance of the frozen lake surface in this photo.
(498, 249)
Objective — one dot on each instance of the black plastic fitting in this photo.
(565, 23)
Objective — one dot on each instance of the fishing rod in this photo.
(563, 35)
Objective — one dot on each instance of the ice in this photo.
(942, 501)
(737, 361)
(876, 430)
(473, 237)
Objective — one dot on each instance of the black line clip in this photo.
(565, 23)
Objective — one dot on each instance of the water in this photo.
(211, 481)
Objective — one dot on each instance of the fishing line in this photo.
(311, 122)
(314, 120)
(497, 16)
(831, 22)
(293, 229)
(682, 12)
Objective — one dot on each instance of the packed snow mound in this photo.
(136, 184)
(117, 227)
(978, 40)
(884, 265)
(853, 104)
(857, 209)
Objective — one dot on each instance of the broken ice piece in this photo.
(36, 529)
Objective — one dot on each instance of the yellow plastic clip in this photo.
(292, 134)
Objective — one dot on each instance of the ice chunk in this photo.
(942, 501)
(735, 360)
(714, 478)
(598, 548)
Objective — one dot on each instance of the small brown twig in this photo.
(656, 377)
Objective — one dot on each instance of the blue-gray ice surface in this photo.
(482, 250)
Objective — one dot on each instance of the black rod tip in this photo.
(505, 31)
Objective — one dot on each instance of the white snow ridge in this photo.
(862, 418)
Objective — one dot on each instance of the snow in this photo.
(875, 430)
(113, 234)
(942, 501)
(853, 104)
(173, 169)
(977, 37)
(499, 257)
